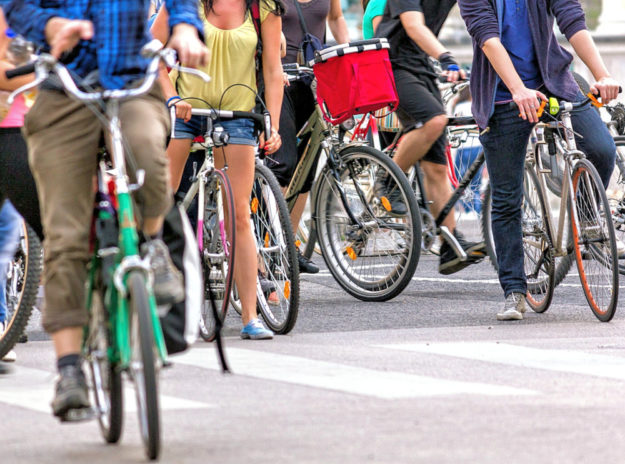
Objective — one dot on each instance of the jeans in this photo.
(9, 235)
(505, 147)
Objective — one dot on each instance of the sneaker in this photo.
(513, 308)
(10, 356)
(269, 290)
(385, 187)
(168, 280)
(255, 330)
(306, 266)
(71, 392)
(450, 262)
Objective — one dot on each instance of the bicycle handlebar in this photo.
(46, 64)
(264, 119)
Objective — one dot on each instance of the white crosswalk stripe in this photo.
(340, 377)
(568, 361)
(32, 389)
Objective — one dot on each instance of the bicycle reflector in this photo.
(554, 106)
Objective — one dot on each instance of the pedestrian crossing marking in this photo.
(340, 377)
(33, 388)
(567, 361)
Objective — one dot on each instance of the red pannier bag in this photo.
(354, 78)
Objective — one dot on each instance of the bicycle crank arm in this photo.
(453, 242)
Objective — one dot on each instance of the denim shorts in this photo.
(241, 131)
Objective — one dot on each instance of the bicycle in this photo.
(124, 332)
(369, 250)
(23, 276)
(466, 199)
(216, 233)
(584, 230)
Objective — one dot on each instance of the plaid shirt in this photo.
(120, 31)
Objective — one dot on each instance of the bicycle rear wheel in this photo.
(105, 376)
(143, 367)
(22, 283)
(539, 262)
(218, 238)
(594, 241)
(277, 255)
(375, 259)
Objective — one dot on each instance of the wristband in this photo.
(448, 62)
(174, 98)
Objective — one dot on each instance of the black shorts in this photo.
(419, 101)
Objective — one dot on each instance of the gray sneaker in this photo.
(513, 308)
(168, 280)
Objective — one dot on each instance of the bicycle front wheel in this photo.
(143, 367)
(594, 241)
(278, 302)
(374, 253)
(22, 282)
(217, 253)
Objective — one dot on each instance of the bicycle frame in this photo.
(125, 256)
(567, 149)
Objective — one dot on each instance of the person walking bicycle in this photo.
(517, 63)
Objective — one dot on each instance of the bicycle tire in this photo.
(345, 247)
(539, 262)
(143, 364)
(594, 240)
(21, 287)
(218, 250)
(106, 377)
(277, 253)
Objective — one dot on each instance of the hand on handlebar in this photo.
(183, 110)
(273, 144)
(191, 50)
(607, 88)
(528, 101)
(64, 34)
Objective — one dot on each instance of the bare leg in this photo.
(438, 189)
(177, 152)
(67, 341)
(418, 142)
(241, 176)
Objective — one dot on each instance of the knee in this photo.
(506, 205)
(435, 126)
(242, 218)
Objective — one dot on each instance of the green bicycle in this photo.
(124, 332)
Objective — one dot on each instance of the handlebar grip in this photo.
(20, 71)
(267, 124)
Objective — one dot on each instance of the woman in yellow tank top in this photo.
(231, 37)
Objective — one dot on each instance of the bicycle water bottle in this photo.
(19, 52)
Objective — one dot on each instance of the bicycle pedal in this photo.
(78, 415)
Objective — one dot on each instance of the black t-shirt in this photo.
(404, 52)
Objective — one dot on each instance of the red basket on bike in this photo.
(354, 78)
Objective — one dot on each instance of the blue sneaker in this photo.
(255, 330)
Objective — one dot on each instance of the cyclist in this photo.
(63, 139)
(517, 62)
(231, 35)
(411, 27)
(299, 103)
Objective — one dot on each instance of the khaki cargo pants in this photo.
(63, 141)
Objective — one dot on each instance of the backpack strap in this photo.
(255, 11)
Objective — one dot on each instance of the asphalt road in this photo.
(430, 377)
